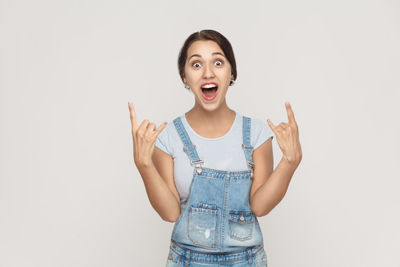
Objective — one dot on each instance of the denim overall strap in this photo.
(246, 145)
(188, 147)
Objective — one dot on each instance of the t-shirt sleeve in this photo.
(163, 140)
(261, 132)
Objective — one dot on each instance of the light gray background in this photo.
(70, 194)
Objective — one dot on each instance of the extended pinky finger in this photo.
(271, 124)
(160, 128)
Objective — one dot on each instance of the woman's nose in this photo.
(208, 72)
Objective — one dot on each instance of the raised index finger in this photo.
(290, 114)
(133, 116)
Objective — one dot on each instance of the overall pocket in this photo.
(241, 224)
(202, 225)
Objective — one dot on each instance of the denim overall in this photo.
(216, 226)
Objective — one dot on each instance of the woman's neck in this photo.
(211, 124)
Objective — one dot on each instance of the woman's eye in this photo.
(197, 64)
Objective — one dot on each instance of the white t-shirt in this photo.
(222, 153)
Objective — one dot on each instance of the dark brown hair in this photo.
(205, 35)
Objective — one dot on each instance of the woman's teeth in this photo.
(208, 86)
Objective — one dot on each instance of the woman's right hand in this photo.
(144, 137)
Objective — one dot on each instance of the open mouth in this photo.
(209, 91)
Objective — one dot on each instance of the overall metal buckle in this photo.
(252, 169)
(198, 165)
(248, 163)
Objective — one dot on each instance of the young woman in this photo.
(212, 169)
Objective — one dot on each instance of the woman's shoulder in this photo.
(255, 121)
(169, 128)
(259, 129)
(168, 138)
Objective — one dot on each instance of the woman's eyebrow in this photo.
(197, 55)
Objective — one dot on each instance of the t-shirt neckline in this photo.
(187, 125)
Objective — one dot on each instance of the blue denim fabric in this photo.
(216, 226)
(247, 257)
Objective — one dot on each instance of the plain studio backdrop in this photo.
(70, 194)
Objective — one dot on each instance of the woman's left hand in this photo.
(287, 135)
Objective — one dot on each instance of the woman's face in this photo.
(206, 64)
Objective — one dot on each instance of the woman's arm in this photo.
(155, 166)
(269, 186)
(158, 178)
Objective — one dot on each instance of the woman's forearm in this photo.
(274, 189)
(160, 196)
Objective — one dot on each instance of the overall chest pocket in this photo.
(241, 224)
(203, 224)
